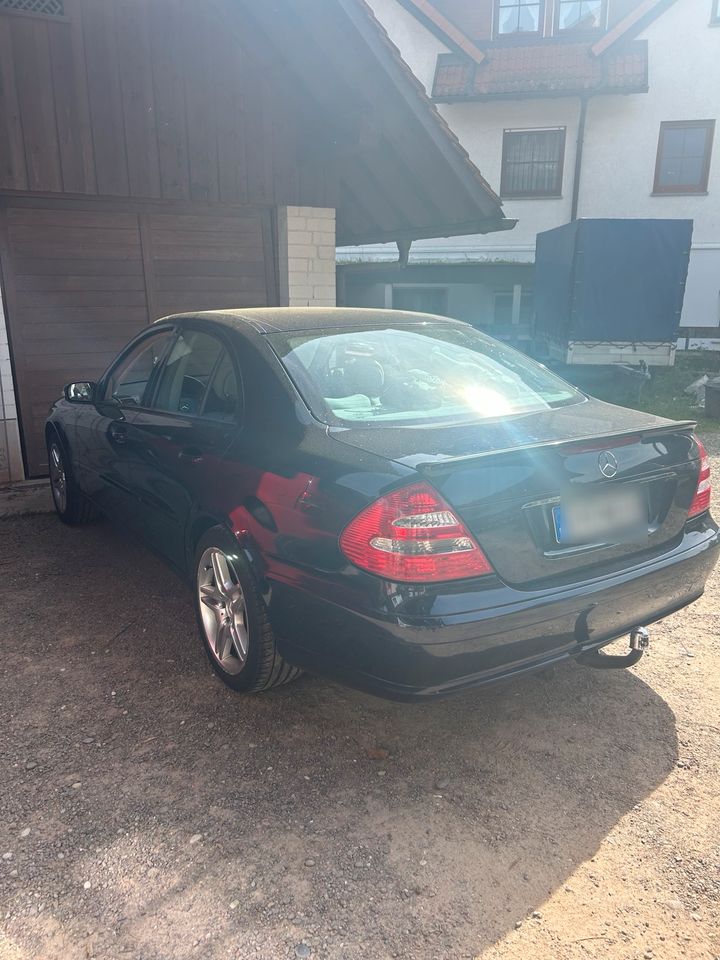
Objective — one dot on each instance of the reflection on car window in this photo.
(429, 373)
(197, 379)
(221, 401)
(128, 381)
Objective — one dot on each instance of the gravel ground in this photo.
(148, 812)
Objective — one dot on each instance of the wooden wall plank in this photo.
(105, 96)
(200, 32)
(258, 130)
(169, 92)
(33, 78)
(77, 174)
(13, 169)
(230, 97)
(134, 57)
(73, 9)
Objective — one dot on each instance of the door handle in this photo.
(118, 433)
(191, 455)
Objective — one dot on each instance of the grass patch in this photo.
(664, 395)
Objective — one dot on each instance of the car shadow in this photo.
(204, 819)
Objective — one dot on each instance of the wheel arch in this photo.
(54, 429)
(199, 525)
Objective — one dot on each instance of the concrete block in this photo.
(298, 264)
(324, 238)
(301, 291)
(298, 238)
(324, 293)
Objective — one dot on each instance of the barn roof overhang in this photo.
(396, 170)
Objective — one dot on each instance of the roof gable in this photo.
(398, 172)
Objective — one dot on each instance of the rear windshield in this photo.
(425, 373)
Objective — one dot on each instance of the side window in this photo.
(191, 378)
(129, 379)
(223, 397)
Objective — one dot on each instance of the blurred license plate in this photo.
(620, 515)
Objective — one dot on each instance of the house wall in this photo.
(419, 47)
(619, 154)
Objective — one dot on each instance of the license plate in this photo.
(617, 516)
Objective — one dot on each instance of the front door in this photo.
(103, 448)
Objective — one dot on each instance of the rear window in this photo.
(425, 373)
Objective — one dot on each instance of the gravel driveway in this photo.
(148, 812)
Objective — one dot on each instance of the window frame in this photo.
(136, 342)
(683, 189)
(559, 31)
(210, 331)
(556, 193)
(519, 33)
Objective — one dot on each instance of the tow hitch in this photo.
(639, 642)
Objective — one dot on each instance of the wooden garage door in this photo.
(80, 282)
(208, 263)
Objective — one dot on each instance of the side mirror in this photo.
(82, 391)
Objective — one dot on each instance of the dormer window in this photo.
(517, 17)
(580, 16)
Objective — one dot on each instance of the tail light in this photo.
(412, 535)
(701, 500)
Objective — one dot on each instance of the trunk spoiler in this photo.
(679, 426)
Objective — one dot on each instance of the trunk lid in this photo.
(506, 477)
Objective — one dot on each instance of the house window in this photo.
(532, 162)
(683, 156)
(580, 15)
(517, 16)
(52, 8)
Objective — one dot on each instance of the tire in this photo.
(70, 504)
(233, 620)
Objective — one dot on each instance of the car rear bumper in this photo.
(420, 657)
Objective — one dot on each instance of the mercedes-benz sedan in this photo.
(393, 500)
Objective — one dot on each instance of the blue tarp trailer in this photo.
(611, 291)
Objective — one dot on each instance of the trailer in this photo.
(611, 291)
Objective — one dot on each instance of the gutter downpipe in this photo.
(579, 157)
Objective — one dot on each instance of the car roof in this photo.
(287, 319)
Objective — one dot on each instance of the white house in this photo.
(571, 108)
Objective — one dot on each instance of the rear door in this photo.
(180, 437)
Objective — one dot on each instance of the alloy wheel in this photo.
(223, 609)
(58, 480)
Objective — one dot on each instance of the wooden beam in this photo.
(443, 29)
(638, 18)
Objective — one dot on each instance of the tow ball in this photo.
(639, 642)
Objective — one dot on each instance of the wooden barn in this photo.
(168, 155)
